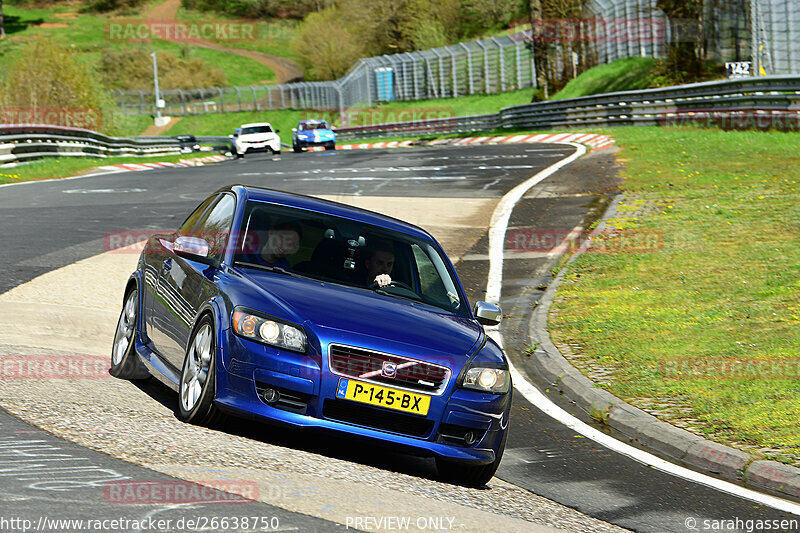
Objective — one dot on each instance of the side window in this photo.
(430, 284)
(215, 226)
(191, 220)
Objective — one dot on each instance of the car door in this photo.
(157, 252)
(184, 284)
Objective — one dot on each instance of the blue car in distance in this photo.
(313, 133)
(291, 309)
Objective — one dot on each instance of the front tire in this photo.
(198, 378)
(296, 149)
(473, 476)
(330, 146)
(125, 363)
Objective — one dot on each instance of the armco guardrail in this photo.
(751, 103)
(26, 142)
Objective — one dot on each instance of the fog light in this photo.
(470, 438)
(271, 395)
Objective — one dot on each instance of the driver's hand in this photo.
(383, 280)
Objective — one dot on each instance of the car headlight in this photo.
(268, 330)
(487, 379)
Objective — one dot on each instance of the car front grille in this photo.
(409, 374)
(375, 418)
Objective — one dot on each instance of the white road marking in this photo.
(505, 167)
(101, 191)
(495, 182)
(497, 232)
(497, 229)
(377, 178)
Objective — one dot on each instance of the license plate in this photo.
(408, 402)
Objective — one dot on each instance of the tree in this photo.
(325, 46)
(686, 50)
(48, 82)
(2, 25)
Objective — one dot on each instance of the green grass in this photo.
(87, 34)
(476, 104)
(127, 125)
(626, 74)
(272, 37)
(64, 167)
(718, 282)
(286, 119)
(224, 123)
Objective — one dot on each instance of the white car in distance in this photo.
(257, 137)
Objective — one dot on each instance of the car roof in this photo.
(313, 121)
(328, 207)
(256, 124)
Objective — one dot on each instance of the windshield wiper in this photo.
(415, 298)
(269, 268)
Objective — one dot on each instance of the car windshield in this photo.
(314, 126)
(347, 252)
(256, 129)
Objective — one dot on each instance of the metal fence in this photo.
(624, 28)
(778, 30)
(26, 142)
(769, 102)
(486, 66)
(609, 30)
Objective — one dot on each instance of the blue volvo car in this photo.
(297, 310)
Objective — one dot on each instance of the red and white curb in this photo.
(596, 141)
(137, 167)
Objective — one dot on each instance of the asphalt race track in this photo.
(450, 191)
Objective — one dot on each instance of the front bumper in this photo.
(303, 143)
(248, 148)
(308, 400)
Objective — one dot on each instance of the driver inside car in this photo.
(378, 262)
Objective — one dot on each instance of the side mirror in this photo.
(487, 314)
(294, 130)
(231, 136)
(194, 249)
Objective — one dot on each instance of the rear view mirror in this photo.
(487, 314)
(194, 249)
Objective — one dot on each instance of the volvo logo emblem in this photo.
(389, 369)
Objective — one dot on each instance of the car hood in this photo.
(257, 137)
(315, 133)
(360, 317)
